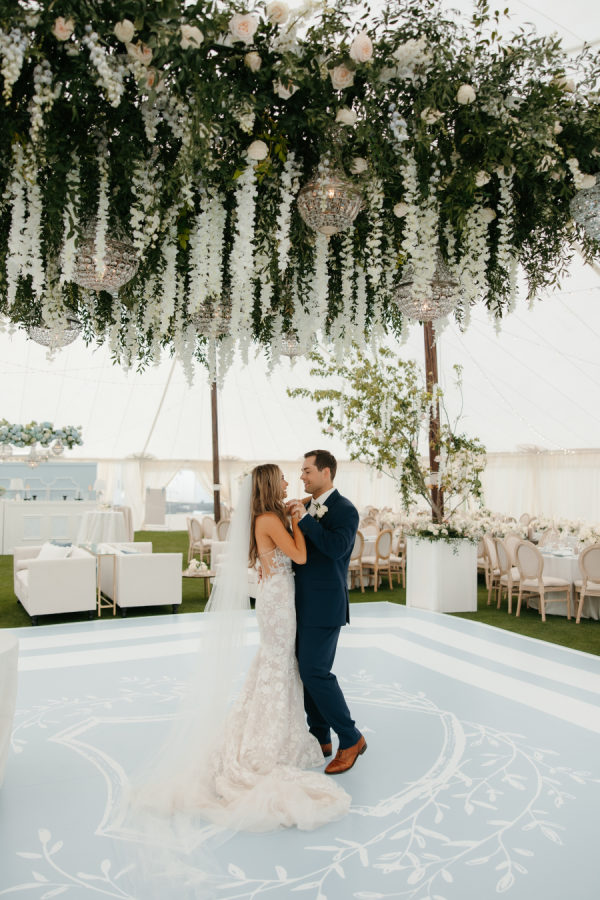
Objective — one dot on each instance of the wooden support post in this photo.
(215, 452)
(431, 380)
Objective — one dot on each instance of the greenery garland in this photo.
(43, 433)
(190, 127)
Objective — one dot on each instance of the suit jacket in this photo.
(321, 584)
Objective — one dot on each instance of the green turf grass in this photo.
(557, 629)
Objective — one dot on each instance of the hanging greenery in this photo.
(168, 140)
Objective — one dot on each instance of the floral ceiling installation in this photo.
(186, 131)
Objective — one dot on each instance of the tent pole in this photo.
(431, 380)
(215, 452)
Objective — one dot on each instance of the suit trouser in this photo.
(324, 701)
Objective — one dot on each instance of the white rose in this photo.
(285, 91)
(358, 165)
(430, 116)
(487, 214)
(401, 210)
(140, 52)
(190, 36)
(243, 27)
(63, 28)
(361, 49)
(557, 127)
(465, 94)
(341, 77)
(277, 12)
(257, 150)
(346, 116)
(567, 84)
(586, 181)
(482, 178)
(253, 60)
(124, 31)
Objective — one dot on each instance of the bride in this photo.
(245, 768)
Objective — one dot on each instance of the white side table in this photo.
(9, 654)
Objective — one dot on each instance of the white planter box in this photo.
(441, 575)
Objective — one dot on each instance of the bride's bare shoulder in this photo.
(266, 520)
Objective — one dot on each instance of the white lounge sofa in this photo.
(48, 586)
(141, 577)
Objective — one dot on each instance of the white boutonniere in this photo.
(320, 510)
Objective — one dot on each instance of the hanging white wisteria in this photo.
(155, 167)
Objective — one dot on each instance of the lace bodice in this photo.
(274, 562)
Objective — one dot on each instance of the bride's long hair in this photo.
(266, 498)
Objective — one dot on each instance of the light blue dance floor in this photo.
(482, 775)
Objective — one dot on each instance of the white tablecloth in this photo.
(102, 526)
(9, 652)
(566, 567)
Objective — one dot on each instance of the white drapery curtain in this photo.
(545, 483)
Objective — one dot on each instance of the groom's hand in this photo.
(296, 509)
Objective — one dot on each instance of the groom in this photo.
(329, 523)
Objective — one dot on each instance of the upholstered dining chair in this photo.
(355, 565)
(589, 585)
(398, 559)
(222, 529)
(532, 580)
(493, 571)
(368, 525)
(381, 561)
(195, 540)
(509, 574)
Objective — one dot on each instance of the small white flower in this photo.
(482, 178)
(257, 150)
(401, 209)
(361, 49)
(566, 84)
(358, 165)
(346, 116)
(320, 510)
(465, 94)
(243, 27)
(63, 28)
(285, 91)
(557, 128)
(487, 214)
(124, 31)
(430, 116)
(191, 36)
(140, 52)
(586, 181)
(341, 77)
(253, 60)
(277, 12)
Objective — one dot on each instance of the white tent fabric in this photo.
(532, 387)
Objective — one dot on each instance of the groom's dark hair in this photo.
(323, 460)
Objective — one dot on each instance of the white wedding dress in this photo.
(256, 779)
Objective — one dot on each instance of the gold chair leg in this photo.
(375, 578)
(569, 602)
(390, 577)
(543, 606)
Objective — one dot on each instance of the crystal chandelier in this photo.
(57, 448)
(212, 319)
(329, 203)
(119, 266)
(6, 451)
(290, 345)
(585, 209)
(440, 297)
(57, 336)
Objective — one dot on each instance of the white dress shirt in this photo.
(320, 501)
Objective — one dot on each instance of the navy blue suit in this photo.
(322, 608)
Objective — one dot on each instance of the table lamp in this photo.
(17, 485)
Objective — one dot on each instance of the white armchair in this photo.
(48, 586)
(136, 576)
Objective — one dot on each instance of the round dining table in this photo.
(102, 526)
(560, 564)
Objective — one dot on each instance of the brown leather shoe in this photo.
(327, 749)
(345, 759)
